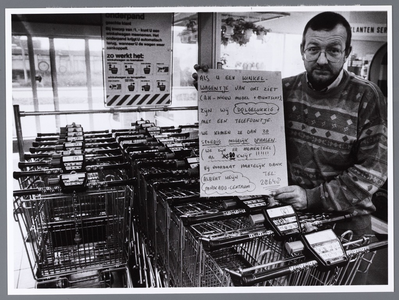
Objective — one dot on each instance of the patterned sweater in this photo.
(336, 142)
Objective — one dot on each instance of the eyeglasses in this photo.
(332, 54)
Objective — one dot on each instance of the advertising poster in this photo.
(242, 139)
(137, 59)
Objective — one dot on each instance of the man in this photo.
(335, 129)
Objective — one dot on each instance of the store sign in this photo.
(137, 59)
(241, 132)
(368, 30)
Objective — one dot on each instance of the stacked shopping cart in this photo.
(156, 154)
(73, 209)
(231, 241)
(123, 209)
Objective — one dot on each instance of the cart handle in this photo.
(47, 143)
(328, 220)
(107, 167)
(251, 279)
(99, 144)
(28, 156)
(115, 183)
(118, 157)
(212, 243)
(97, 132)
(43, 134)
(46, 149)
(212, 216)
(47, 190)
(26, 192)
(28, 164)
(19, 174)
(102, 150)
(97, 139)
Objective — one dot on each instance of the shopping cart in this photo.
(204, 264)
(166, 241)
(182, 218)
(67, 235)
(144, 268)
(301, 271)
(58, 150)
(254, 256)
(151, 173)
(52, 177)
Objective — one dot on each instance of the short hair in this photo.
(328, 21)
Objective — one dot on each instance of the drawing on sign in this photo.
(227, 182)
(242, 140)
(251, 108)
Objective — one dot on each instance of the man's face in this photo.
(322, 72)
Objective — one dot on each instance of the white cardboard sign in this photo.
(242, 138)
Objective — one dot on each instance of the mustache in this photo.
(322, 68)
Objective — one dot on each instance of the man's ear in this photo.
(302, 51)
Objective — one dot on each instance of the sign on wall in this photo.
(137, 59)
(368, 30)
(242, 138)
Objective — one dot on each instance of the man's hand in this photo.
(293, 195)
(197, 67)
(195, 82)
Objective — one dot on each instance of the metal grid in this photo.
(175, 263)
(212, 264)
(162, 234)
(302, 271)
(197, 265)
(74, 232)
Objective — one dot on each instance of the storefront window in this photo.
(67, 90)
(77, 83)
(23, 92)
(249, 43)
(20, 73)
(185, 56)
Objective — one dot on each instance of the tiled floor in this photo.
(23, 277)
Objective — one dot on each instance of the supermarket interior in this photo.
(147, 149)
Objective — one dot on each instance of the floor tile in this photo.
(26, 280)
(16, 278)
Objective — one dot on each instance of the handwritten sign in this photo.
(137, 58)
(242, 138)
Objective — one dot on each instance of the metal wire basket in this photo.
(66, 233)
